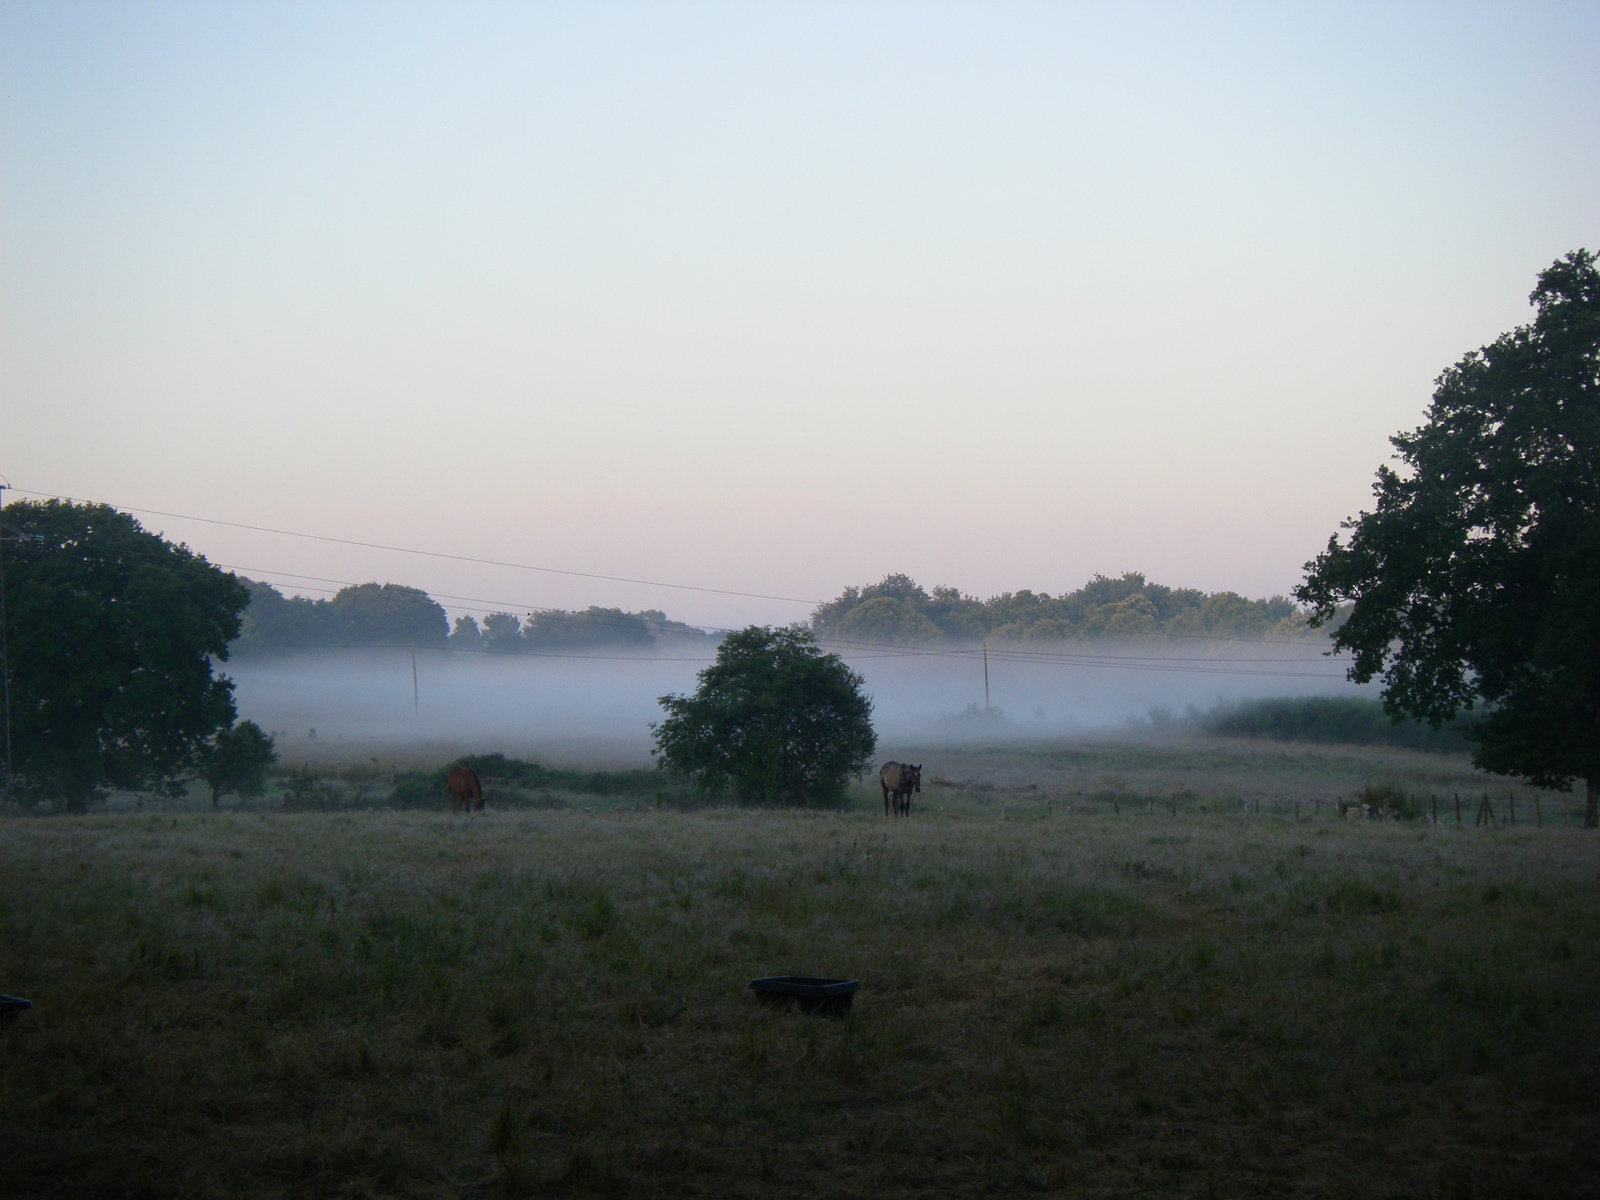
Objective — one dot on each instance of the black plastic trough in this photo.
(10, 1006)
(827, 997)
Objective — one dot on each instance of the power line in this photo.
(467, 558)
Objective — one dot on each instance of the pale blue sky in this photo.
(770, 298)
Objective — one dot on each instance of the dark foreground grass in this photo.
(376, 1004)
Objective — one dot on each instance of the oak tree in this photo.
(111, 633)
(1475, 580)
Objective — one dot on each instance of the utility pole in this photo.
(985, 676)
(5, 664)
(416, 705)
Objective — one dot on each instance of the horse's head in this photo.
(916, 777)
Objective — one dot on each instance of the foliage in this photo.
(372, 614)
(368, 614)
(554, 629)
(386, 614)
(111, 632)
(502, 633)
(236, 760)
(1346, 719)
(899, 611)
(1476, 579)
(774, 716)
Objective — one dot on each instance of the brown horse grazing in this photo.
(465, 790)
(898, 781)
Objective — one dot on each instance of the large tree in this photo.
(110, 632)
(774, 716)
(1476, 579)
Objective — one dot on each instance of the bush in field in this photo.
(774, 716)
(1348, 719)
(236, 760)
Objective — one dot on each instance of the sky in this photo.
(764, 299)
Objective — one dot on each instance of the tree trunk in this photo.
(1591, 809)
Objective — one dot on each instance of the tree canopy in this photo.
(1476, 579)
(110, 634)
(899, 611)
(236, 760)
(390, 614)
(367, 614)
(774, 716)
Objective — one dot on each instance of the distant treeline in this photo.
(1349, 719)
(389, 614)
(901, 612)
(557, 629)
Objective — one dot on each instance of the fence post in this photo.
(1458, 808)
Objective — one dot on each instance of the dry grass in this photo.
(1101, 999)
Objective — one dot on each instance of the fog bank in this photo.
(596, 710)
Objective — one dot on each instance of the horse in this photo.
(466, 792)
(898, 781)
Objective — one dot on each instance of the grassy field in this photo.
(1087, 969)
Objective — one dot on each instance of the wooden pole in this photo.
(1458, 808)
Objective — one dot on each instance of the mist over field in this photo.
(583, 710)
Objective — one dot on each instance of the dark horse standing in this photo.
(898, 781)
(465, 790)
